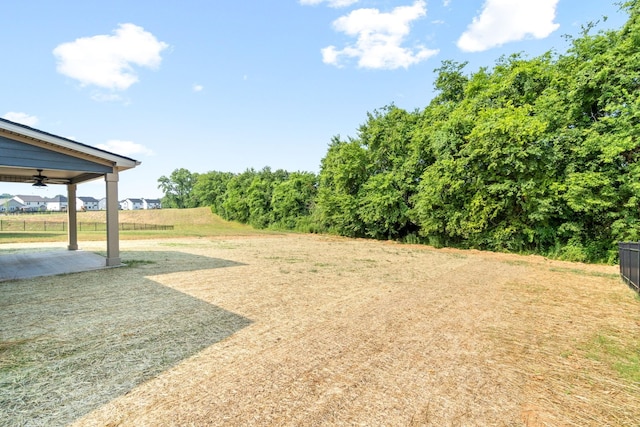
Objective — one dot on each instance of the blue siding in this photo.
(19, 154)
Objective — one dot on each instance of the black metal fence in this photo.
(630, 264)
(17, 225)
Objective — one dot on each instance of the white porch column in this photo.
(72, 215)
(113, 232)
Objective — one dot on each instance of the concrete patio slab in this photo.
(24, 265)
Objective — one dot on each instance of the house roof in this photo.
(10, 201)
(32, 199)
(25, 150)
(88, 199)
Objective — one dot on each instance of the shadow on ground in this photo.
(71, 343)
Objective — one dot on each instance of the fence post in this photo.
(627, 262)
(637, 281)
(624, 264)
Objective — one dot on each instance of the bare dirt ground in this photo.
(355, 332)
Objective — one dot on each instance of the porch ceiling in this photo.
(25, 175)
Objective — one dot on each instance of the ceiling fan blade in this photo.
(57, 181)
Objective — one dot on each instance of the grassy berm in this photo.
(198, 222)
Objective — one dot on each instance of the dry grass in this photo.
(352, 332)
(71, 343)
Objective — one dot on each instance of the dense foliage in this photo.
(261, 198)
(534, 155)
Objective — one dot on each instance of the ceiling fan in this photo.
(41, 180)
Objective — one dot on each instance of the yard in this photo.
(316, 330)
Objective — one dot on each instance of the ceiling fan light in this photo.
(39, 184)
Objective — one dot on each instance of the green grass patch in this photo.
(28, 236)
(323, 264)
(136, 262)
(518, 262)
(288, 260)
(584, 272)
(457, 255)
(622, 354)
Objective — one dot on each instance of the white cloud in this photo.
(379, 38)
(22, 118)
(197, 88)
(125, 148)
(332, 3)
(504, 21)
(107, 60)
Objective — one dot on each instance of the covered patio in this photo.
(26, 265)
(38, 158)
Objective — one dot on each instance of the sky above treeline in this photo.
(234, 84)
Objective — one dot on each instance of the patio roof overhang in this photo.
(26, 152)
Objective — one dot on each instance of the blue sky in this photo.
(232, 84)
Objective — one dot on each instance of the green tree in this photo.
(383, 206)
(395, 162)
(234, 206)
(248, 195)
(450, 82)
(292, 200)
(600, 185)
(259, 195)
(210, 189)
(343, 170)
(177, 189)
(488, 185)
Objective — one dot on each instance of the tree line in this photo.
(264, 198)
(536, 155)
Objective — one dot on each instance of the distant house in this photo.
(32, 203)
(151, 204)
(86, 204)
(131, 204)
(57, 204)
(60, 203)
(137, 204)
(10, 205)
